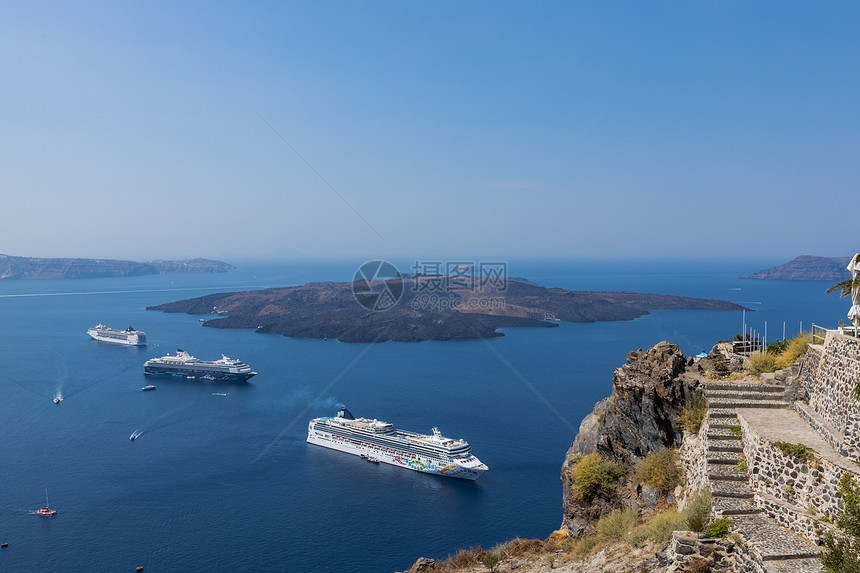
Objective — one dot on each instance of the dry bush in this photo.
(462, 559)
(661, 470)
(797, 346)
(519, 547)
(762, 362)
(618, 525)
(592, 474)
(693, 413)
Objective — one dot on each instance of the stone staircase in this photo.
(780, 550)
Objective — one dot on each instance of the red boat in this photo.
(47, 509)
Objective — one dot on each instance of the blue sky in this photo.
(569, 129)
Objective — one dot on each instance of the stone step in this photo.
(745, 387)
(728, 506)
(723, 458)
(743, 396)
(735, 489)
(716, 412)
(722, 472)
(726, 446)
(772, 541)
(723, 423)
(723, 403)
(722, 433)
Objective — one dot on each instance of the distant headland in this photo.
(57, 268)
(330, 310)
(806, 268)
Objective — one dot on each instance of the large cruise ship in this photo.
(375, 440)
(184, 365)
(129, 336)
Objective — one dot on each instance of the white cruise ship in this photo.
(372, 439)
(129, 336)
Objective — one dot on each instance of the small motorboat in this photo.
(47, 509)
(148, 388)
(372, 460)
(202, 319)
(58, 399)
(133, 436)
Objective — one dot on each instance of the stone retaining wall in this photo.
(694, 459)
(829, 382)
(722, 555)
(795, 494)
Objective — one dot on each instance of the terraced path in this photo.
(781, 550)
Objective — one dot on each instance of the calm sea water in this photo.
(227, 483)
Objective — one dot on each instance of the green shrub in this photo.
(592, 474)
(491, 560)
(777, 347)
(693, 413)
(618, 525)
(721, 368)
(661, 470)
(742, 466)
(762, 362)
(698, 511)
(799, 452)
(736, 431)
(842, 552)
(719, 527)
(659, 529)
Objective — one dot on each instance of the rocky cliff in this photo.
(638, 418)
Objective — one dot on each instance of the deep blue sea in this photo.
(227, 483)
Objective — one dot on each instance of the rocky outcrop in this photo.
(418, 312)
(638, 418)
(641, 415)
(807, 268)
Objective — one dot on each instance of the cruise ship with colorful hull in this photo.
(183, 365)
(129, 336)
(434, 454)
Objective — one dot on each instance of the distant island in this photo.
(330, 310)
(806, 268)
(56, 268)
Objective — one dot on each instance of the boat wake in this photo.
(159, 421)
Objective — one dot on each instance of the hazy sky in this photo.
(599, 129)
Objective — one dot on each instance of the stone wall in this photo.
(694, 459)
(722, 555)
(830, 384)
(796, 494)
